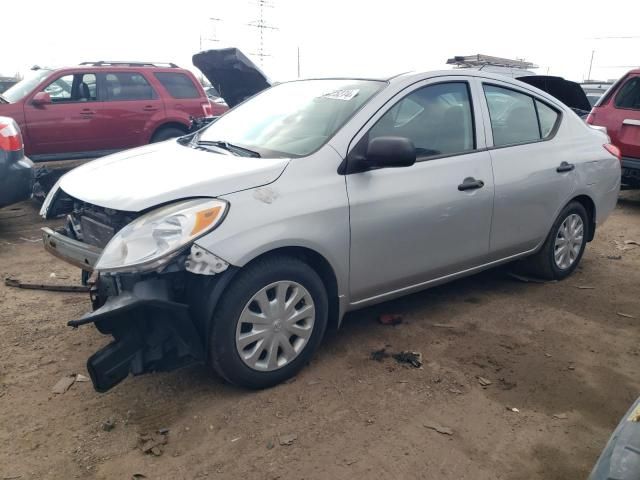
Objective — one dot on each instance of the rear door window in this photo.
(629, 95)
(119, 86)
(517, 117)
(513, 116)
(178, 85)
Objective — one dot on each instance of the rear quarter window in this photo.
(179, 85)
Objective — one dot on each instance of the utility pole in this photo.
(262, 26)
(590, 65)
(298, 61)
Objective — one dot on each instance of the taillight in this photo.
(206, 109)
(613, 150)
(10, 136)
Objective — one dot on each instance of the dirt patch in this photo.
(562, 367)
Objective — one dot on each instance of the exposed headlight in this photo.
(155, 238)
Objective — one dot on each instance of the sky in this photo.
(363, 38)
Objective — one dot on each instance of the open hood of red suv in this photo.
(231, 73)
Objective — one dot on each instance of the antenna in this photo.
(261, 25)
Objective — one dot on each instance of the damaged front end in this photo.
(152, 288)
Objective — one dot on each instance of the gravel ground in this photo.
(562, 360)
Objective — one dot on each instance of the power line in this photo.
(614, 37)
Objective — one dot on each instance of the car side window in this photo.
(178, 85)
(120, 86)
(437, 118)
(78, 87)
(513, 116)
(629, 95)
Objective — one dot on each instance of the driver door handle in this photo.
(565, 167)
(470, 183)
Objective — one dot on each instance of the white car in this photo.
(239, 245)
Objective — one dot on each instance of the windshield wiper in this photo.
(245, 152)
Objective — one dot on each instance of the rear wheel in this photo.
(269, 322)
(165, 133)
(564, 247)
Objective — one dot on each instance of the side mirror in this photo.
(384, 152)
(41, 98)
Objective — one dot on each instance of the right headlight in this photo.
(152, 240)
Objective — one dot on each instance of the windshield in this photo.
(292, 119)
(25, 86)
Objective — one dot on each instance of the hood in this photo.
(145, 177)
(231, 73)
(569, 93)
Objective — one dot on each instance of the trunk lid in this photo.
(233, 75)
(568, 92)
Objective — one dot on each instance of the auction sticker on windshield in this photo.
(347, 94)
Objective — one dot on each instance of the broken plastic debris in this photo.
(63, 384)
(484, 381)
(560, 416)
(439, 428)
(412, 358)
(625, 315)
(81, 378)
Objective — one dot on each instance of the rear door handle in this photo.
(149, 108)
(630, 121)
(87, 111)
(565, 167)
(470, 183)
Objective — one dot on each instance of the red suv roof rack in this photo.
(111, 63)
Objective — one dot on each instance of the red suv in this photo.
(97, 108)
(619, 111)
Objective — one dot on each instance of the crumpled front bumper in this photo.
(151, 332)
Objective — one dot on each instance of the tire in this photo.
(165, 133)
(242, 363)
(544, 264)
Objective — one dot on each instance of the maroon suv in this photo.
(97, 108)
(619, 111)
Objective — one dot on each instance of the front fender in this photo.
(271, 217)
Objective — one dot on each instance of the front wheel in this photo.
(269, 322)
(166, 133)
(563, 248)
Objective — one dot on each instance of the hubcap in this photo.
(568, 241)
(275, 326)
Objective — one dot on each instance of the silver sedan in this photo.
(239, 245)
